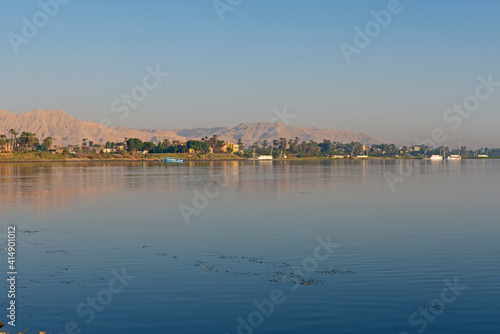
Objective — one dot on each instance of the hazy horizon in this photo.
(261, 57)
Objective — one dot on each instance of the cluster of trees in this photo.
(283, 146)
(205, 145)
(26, 141)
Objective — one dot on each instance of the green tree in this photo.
(134, 144)
(241, 145)
(13, 134)
(205, 146)
(282, 144)
(3, 140)
(28, 140)
(195, 145)
(47, 142)
(213, 142)
(149, 146)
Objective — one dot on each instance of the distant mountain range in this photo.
(67, 130)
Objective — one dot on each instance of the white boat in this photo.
(262, 157)
(436, 157)
(454, 157)
(167, 159)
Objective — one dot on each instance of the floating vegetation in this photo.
(58, 251)
(206, 268)
(31, 231)
(161, 254)
(336, 271)
(428, 306)
(166, 254)
(433, 307)
(289, 274)
(254, 260)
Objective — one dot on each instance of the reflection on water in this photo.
(438, 221)
(48, 186)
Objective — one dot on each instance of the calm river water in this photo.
(254, 247)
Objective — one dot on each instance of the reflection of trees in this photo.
(48, 186)
(51, 187)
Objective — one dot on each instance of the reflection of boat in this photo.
(454, 157)
(167, 159)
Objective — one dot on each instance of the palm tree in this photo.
(241, 146)
(166, 142)
(213, 142)
(255, 147)
(84, 142)
(282, 142)
(32, 140)
(276, 143)
(264, 144)
(13, 134)
(28, 140)
(47, 142)
(218, 146)
(3, 141)
(23, 140)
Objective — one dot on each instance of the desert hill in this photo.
(67, 130)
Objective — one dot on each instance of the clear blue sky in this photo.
(263, 55)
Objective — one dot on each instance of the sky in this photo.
(392, 69)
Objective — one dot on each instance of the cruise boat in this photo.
(436, 157)
(167, 159)
(454, 157)
(262, 157)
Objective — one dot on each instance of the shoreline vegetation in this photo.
(100, 157)
(26, 147)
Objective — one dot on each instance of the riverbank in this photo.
(49, 157)
(59, 157)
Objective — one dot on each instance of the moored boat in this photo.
(168, 159)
